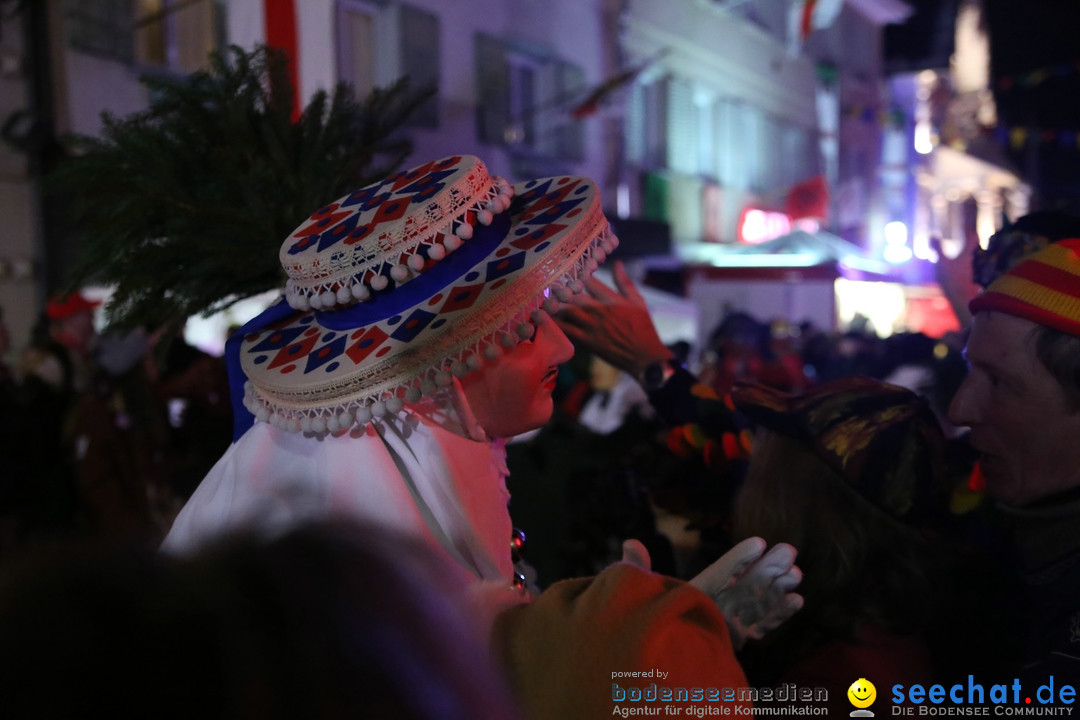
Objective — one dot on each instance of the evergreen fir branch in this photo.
(182, 207)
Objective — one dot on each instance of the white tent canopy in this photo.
(676, 318)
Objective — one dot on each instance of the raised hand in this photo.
(614, 324)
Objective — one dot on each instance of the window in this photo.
(101, 28)
(524, 98)
(646, 124)
(746, 164)
(357, 47)
(705, 104)
(177, 35)
(683, 132)
(728, 167)
(379, 43)
(800, 154)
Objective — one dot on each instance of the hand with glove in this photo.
(753, 588)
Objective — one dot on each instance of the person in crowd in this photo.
(330, 620)
(61, 353)
(55, 369)
(733, 352)
(7, 375)
(855, 471)
(615, 398)
(118, 438)
(581, 483)
(413, 339)
(1021, 402)
(15, 490)
(195, 387)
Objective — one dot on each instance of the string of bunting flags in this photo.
(892, 117)
(1034, 78)
(1018, 136)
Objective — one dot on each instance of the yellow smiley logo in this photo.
(862, 693)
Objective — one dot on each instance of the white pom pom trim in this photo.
(390, 401)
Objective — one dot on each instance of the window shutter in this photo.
(682, 129)
(656, 123)
(419, 31)
(194, 34)
(634, 125)
(492, 89)
(105, 28)
(356, 48)
(751, 141)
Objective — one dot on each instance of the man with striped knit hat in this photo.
(1021, 401)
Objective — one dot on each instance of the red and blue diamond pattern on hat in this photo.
(388, 232)
(307, 373)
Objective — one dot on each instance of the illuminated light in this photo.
(758, 226)
(985, 227)
(869, 265)
(923, 251)
(941, 351)
(924, 143)
(897, 254)
(767, 260)
(883, 303)
(896, 233)
(622, 201)
(920, 244)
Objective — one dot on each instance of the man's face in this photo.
(1020, 419)
(512, 395)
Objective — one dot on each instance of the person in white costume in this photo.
(413, 338)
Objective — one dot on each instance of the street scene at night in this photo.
(539, 358)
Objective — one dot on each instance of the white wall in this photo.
(93, 85)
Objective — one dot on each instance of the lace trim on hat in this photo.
(485, 334)
(399, 255)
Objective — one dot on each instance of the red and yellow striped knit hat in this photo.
(1043, 288)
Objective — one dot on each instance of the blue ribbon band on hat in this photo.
(387, 303)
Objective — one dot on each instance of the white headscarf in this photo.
(429, 472)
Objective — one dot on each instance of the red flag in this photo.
(806, 22)
(281, 33)
(808, 199)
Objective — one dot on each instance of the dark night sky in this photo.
(1028, 36)
(1025, 36)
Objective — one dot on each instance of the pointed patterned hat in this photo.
(399, 286)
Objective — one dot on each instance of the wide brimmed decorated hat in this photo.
(396, 288)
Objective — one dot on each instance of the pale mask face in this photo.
(512, 394)
(1019, 416)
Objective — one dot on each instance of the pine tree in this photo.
(182, 207)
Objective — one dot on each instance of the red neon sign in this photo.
(758, 226)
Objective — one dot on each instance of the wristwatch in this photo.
(656, 374)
